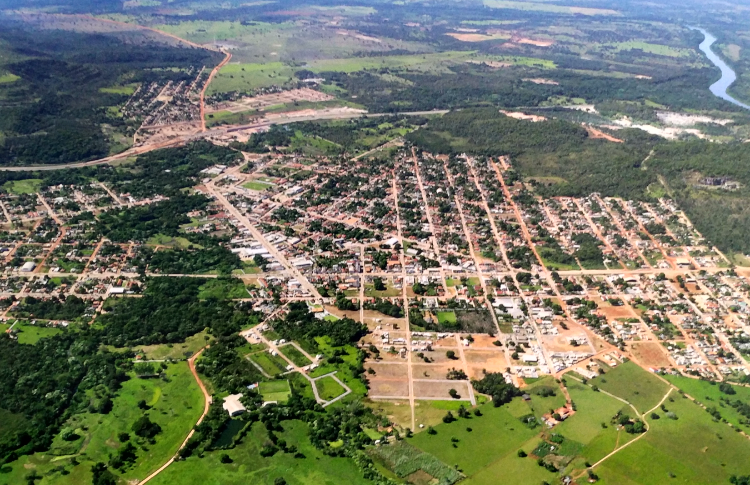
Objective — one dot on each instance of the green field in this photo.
(708, 394)
(178, 351)
(249, 467)
(630, 382)
(293, 354)
(488, 451)
(691, 449)
(255, 185)
(223, 289)
(328, 388)
(658, 49)
(31, 334)
(175, 242)
(271, 364)
(8, 78)
(278, 391)
(247, 77)
(27, 186)
(127, 90)
(175, 404)
(446, 318)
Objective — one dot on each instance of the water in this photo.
(728, 76)
(226, 437)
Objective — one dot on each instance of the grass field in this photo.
(7, 77)
(31, 334)
(658, 49)
(27, 186)
(128, 90)
(247, 77)
(328, 388)
(691, 449)
(387, 293)
(446, 318)
(255, 185)
(223, 289)
(175, 405)
(271, 364)
(278, 391)
(295, 355)
(708, 394)
(249, 467)
(174, 351)
(175, 242)
(486, 448)
(635, 385)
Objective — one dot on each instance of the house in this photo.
(232, 405)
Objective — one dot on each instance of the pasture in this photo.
(248, 466)
(630, 382)
(690, 449)
(174, 404)
(293, 354)
(328, 388)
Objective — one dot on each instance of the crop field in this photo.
(248, 466)
(690, 449)
(658, 49)
(404, 460)
(175, 404)
(278, 391)
(295, 355)
(635, 385)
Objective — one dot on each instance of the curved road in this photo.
(191, 363)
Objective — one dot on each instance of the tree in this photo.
(279, 481)
(451, 355)
(522, 454)
(225, 458)
(453, 393)
(378, 284)
(145, 428)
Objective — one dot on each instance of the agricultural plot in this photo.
(271, 364)
(409, 462)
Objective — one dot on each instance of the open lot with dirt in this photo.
(650, 354)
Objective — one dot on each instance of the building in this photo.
(232, 405)
(28, 266)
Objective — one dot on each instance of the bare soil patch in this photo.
(389, 387)
(650, 354)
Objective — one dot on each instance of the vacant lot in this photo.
(293, 354)
(426, 389)
(650, 354)
(28, 186)
(328, 388)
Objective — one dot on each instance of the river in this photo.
(728, 76)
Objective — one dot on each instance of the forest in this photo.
(54, 113)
